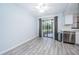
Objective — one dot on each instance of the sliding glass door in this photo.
(48, 28)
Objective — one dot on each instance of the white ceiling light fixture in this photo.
(42, 7)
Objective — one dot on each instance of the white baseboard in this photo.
(18, 44)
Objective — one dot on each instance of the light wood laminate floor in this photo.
(44, 46)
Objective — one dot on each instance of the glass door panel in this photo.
(47, 28)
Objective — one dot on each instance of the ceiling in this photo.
(53, 8)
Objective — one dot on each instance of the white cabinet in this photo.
(68, 19)
(72, 20)
(77, 37)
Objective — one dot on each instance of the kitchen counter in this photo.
(75, 30)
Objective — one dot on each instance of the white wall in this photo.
(72, 8)
(17, 26)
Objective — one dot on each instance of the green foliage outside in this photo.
(47, 27)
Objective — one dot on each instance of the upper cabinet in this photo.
(75, 22)
(68, 19)
(72, 20)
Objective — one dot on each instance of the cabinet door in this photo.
(74, 22)
(78, 22)
(65, 36)
(68, 19)
(77, 37)
(73, 38)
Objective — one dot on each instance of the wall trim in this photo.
(33, 37)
